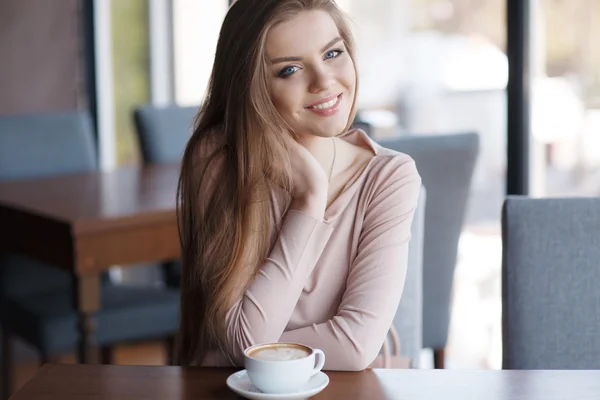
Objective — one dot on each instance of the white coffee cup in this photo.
(282, 367)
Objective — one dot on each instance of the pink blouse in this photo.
(333, 284)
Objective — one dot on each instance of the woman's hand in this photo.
(309, 180)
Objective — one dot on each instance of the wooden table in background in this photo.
(87, 223)
(109, 382)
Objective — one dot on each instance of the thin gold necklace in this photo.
(332, 161)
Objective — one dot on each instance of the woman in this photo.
(292, 227)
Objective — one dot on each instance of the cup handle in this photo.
(320, 363)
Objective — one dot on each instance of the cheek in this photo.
(349, 76)
(286, 97)
(346, 75)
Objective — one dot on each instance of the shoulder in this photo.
(393, 181)
(386, 163)
(208, 144)
(205, 176)
(204, 167)
(209, 152)
(393, 167)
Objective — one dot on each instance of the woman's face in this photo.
(313, 78)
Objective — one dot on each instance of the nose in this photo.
(322, 80)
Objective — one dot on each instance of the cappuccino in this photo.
(282, 367)
(279, 352)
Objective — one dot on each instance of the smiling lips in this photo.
(327, 107)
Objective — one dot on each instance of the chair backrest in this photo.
(409, 317)
(33, 146)
(551, 283)
(446, 164)
(164, 131)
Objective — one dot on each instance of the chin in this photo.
(329, 128)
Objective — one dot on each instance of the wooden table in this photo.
(82, 382)
(87, 223)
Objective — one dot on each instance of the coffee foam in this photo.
(279, 352)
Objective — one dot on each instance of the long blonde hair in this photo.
(225, 237)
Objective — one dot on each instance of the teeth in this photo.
(323, 106)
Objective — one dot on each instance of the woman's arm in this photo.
(265, 308)
(352, 339)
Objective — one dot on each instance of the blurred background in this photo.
(427, 67)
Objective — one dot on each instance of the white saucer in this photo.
(240, 383)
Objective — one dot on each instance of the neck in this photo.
(321, 149)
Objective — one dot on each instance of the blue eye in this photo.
(288, 71)
(332, 54)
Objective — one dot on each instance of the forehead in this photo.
(304, 34)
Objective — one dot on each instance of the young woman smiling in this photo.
(293, 226)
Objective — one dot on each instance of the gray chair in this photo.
(35, 298)
(446, 164)
(409, 317)
(33, 146)
(551, 283)
(164, 131)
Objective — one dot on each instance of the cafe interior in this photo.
(497, 101)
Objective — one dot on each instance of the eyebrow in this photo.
(288, 59)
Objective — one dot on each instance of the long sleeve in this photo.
(353, 337)
(264, 310)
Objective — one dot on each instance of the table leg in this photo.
(87, 300)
